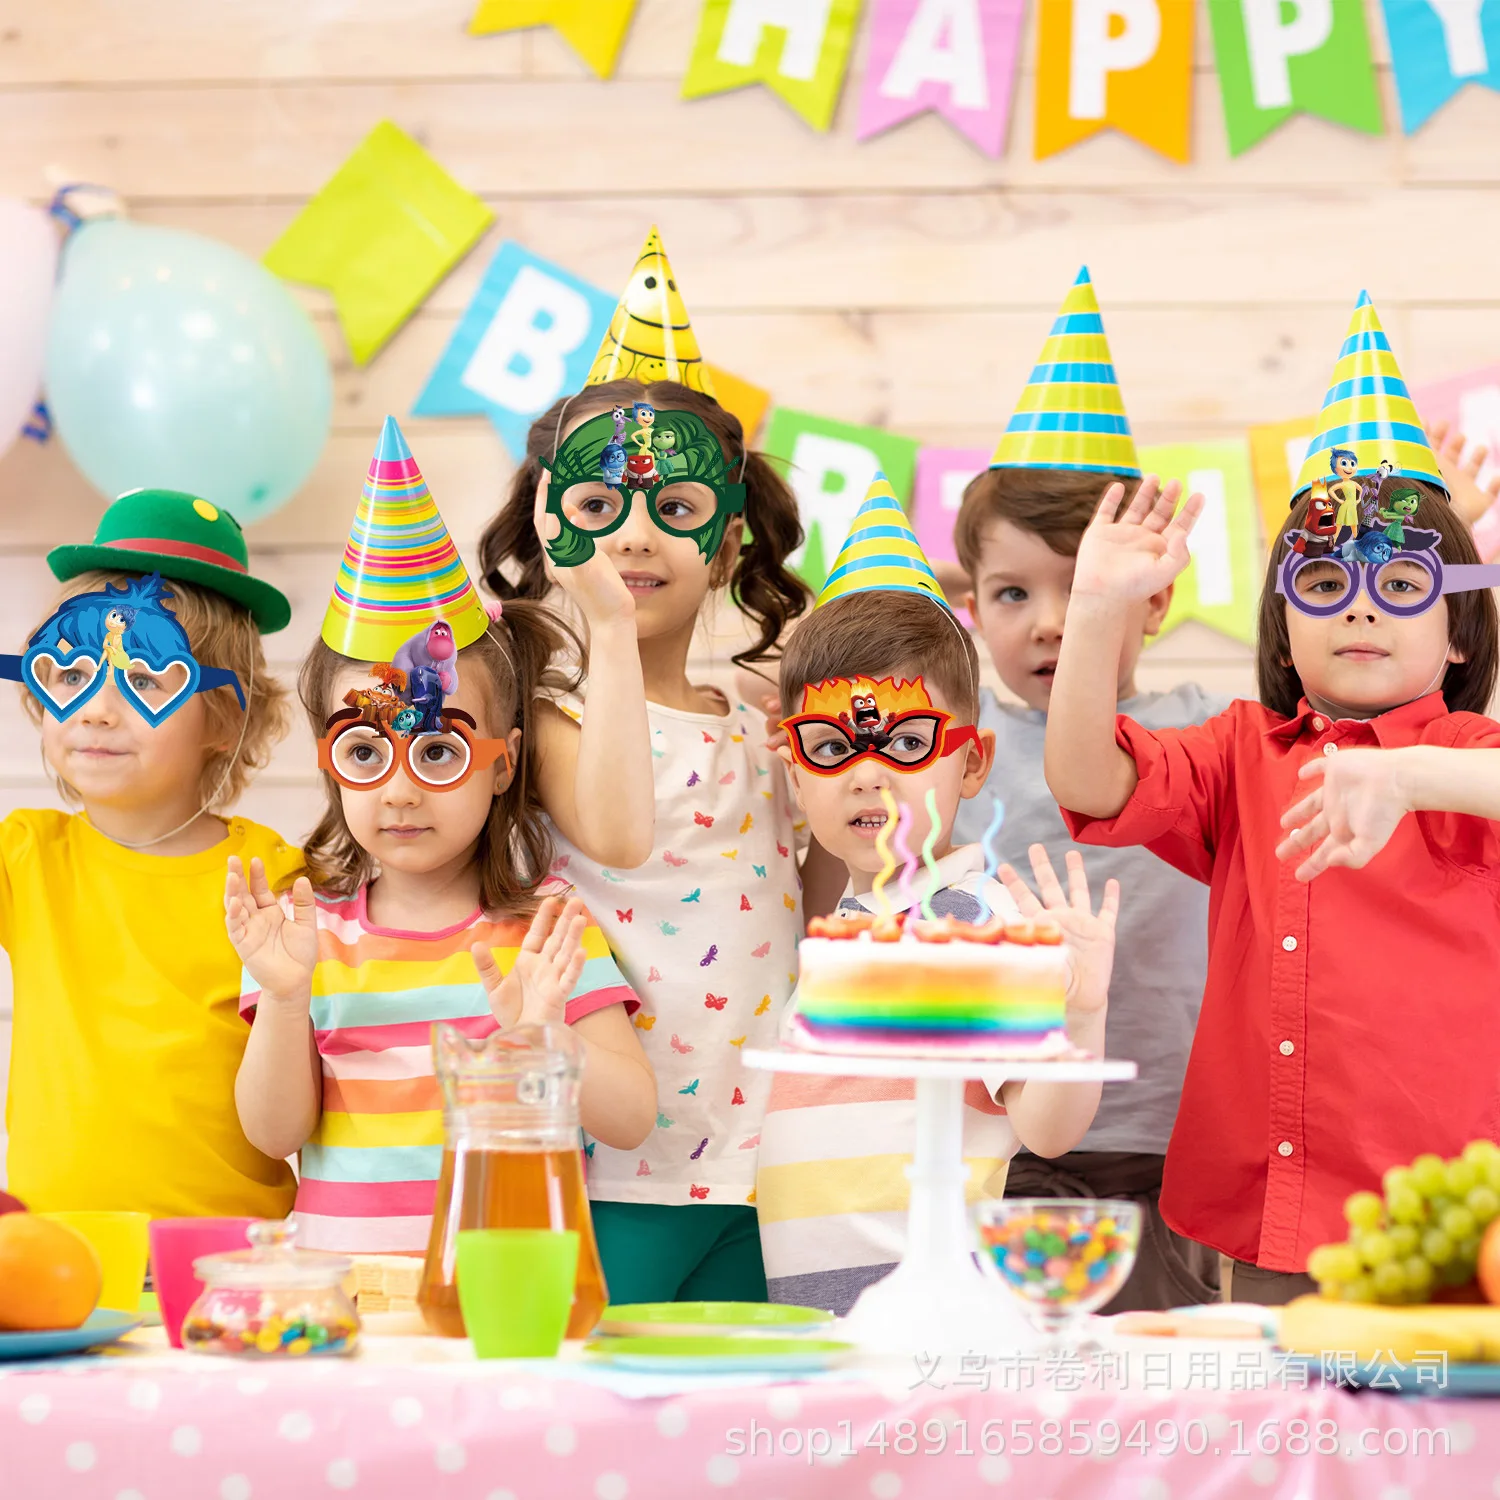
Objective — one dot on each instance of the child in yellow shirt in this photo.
(127, 1035)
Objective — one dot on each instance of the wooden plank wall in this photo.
(904, 282)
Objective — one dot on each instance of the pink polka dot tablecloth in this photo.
(183, 1428)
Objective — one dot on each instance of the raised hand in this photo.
(1356, 800)
(1135, 555)
(279, 951)
(1461, 474)
(1090, 934)
(545, 972)
(594, 586)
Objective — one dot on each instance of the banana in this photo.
(1318, 1325)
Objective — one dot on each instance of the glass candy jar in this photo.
(272, 1300)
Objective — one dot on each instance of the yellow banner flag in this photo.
(594, 29)
(797, 48)
(1276, 453)
(746, 401)
(1125, 64)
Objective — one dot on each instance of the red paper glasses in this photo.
(363, 754)
(906, 742)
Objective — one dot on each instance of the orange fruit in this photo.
(49, 1276)
(1489, 1262)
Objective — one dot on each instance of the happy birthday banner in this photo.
(1124, 65)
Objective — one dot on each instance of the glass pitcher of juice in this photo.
(512, 1158)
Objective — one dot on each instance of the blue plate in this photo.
(1460, 1380)
(101, 1327)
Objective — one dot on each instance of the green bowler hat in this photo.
(179, 536)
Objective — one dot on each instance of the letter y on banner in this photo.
(797, 48)
(1437, 46)
(1121, 63)
(528, 337)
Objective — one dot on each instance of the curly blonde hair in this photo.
(222, 634)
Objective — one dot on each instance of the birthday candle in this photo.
(883, 849)
(928, 844)
(991, 858)
(909, 866)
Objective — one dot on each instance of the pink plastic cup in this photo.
(175, 1245)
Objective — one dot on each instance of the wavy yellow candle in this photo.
(883, 849)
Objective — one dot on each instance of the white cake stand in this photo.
(937, 1300)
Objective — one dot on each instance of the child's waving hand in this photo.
(1090, 935)
(1139, 553)
(545, 972)
(1461, 474)
(595, 586)
(279, 951)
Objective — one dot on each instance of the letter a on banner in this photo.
(1277, 58)
(1121, 63)
(594, 29)
(797, 48)
(957, 57)
(527, 338)
(1437, 46)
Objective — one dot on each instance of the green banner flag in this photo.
(1221, 586)
(797, 48)
(380, 234)
(1277, 58)
(829, 466)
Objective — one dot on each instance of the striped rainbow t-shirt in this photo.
(369, 1172)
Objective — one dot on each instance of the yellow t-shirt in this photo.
(127, 1035)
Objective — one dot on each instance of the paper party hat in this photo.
(650, 337)
(1368, 412)
(1071, 415)
(881, 552)
(400, 570)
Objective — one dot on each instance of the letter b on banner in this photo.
(528, 337)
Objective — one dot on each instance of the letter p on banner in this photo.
(528, 337)
(1121, 63)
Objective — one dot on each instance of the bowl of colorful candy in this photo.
(1064, 1257)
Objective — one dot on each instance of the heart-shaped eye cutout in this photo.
(154, 692)
(62, 683)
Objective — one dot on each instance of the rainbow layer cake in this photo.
(882, 986)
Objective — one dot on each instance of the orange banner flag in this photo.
(1125, 64)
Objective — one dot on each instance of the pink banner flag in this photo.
(957, 57)
(942, 476)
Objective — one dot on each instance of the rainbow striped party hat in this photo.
(1368, 417)
(400, 570)
(1071, 415)
(881, 552)
(650, 337)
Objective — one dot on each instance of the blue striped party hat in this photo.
(1368, 417)
(881, 551)
(1071, 415)
(400, 570)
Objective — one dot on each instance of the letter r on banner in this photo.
(1097, 53)
(521, 359)
(805, 23)
(1271, 41)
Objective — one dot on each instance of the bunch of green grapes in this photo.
(1422, 1236)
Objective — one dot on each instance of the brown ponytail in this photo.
(518, 660)
(759, 583)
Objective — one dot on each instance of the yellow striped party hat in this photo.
(1368, 417)
(881, 551)
(400, 570)
(1071, 415)
(650, 337)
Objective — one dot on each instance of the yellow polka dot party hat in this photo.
(1071, 414)
(400, 571)
(650, 337)
(881, 552)
(1368, 424)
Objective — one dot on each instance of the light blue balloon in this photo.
(175, 362)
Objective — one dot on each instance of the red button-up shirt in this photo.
(1349, 1023)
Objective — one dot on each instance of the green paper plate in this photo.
(750, 1353)
(649, 1319)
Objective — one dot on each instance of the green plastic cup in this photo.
(515, 1288)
